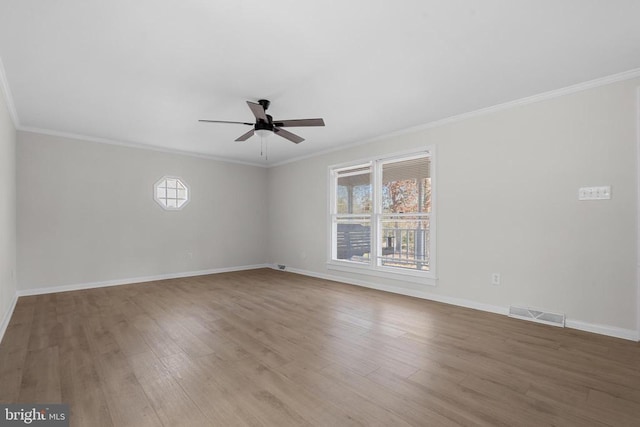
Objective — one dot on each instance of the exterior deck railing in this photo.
(401, 247)
(405, 247)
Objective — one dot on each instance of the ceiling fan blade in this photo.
(288, 135)
(258, 111)
(298, 122)
(225, 121)
(245, 136)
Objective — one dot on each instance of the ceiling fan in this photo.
(265, 125)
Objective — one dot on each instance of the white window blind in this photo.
(404, 218)
(352, 215)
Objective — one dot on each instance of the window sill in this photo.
(422, 278)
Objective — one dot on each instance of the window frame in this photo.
(161, 203)
(372, 267)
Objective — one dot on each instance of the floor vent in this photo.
(281, 267)
(545, 317)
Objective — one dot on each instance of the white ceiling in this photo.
(144, 71)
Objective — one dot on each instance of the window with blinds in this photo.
(404, 215)
(382, 214)
(352, 216)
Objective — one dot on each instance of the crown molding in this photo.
(8, 97)
(134, 145)
(602, 81)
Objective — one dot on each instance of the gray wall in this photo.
(7, 210)
(507, 185)
(507, 202)
(87, 213)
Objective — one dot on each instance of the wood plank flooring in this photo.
(269, 348)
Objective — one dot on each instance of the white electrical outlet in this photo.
(495, 279)
(594, 193)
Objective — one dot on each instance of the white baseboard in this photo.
(117, 282)
(627, 334)
(7, 317)
(612, 331)
(404, 291)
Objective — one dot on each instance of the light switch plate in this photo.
(595, 193)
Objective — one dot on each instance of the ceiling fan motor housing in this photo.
(261, 124)
(264, 123)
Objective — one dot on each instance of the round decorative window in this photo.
(171, 193)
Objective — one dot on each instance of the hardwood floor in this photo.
(265, 347)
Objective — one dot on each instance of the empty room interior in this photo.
(411, 213)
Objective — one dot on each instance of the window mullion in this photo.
(377, 210)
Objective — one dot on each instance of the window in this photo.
(382, 215)
(353, 214)
(171, 193)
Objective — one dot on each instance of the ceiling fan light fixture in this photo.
(265, 126)
(263, 133)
